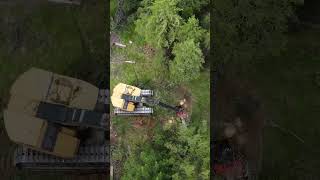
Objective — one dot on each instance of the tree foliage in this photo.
(162, 26)
(175, 153)
(197, 164)
(244, 30)
(191, 7)
(159, 24)
(187, 61)
(131, 6)
(191, 30)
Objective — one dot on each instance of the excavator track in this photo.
(139, 111)
(146, 93)
(90, 158)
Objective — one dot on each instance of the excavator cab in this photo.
(129, 100)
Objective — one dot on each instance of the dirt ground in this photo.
(239, 106)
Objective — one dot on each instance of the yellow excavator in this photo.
(60, 122)
(132, 101)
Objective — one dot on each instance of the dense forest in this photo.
(167, 43)
(267, 55)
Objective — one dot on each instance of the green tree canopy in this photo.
(191, 7)
(244, 30)
(174, 153)
(159, 23)
(196, 165)
(187, 61)
(191, 30)
(161, 26)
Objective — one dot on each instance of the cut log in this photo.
(120, 45)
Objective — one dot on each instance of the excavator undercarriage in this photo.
(140, 109)
(90, 158)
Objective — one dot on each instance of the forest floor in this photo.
(59, 38)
